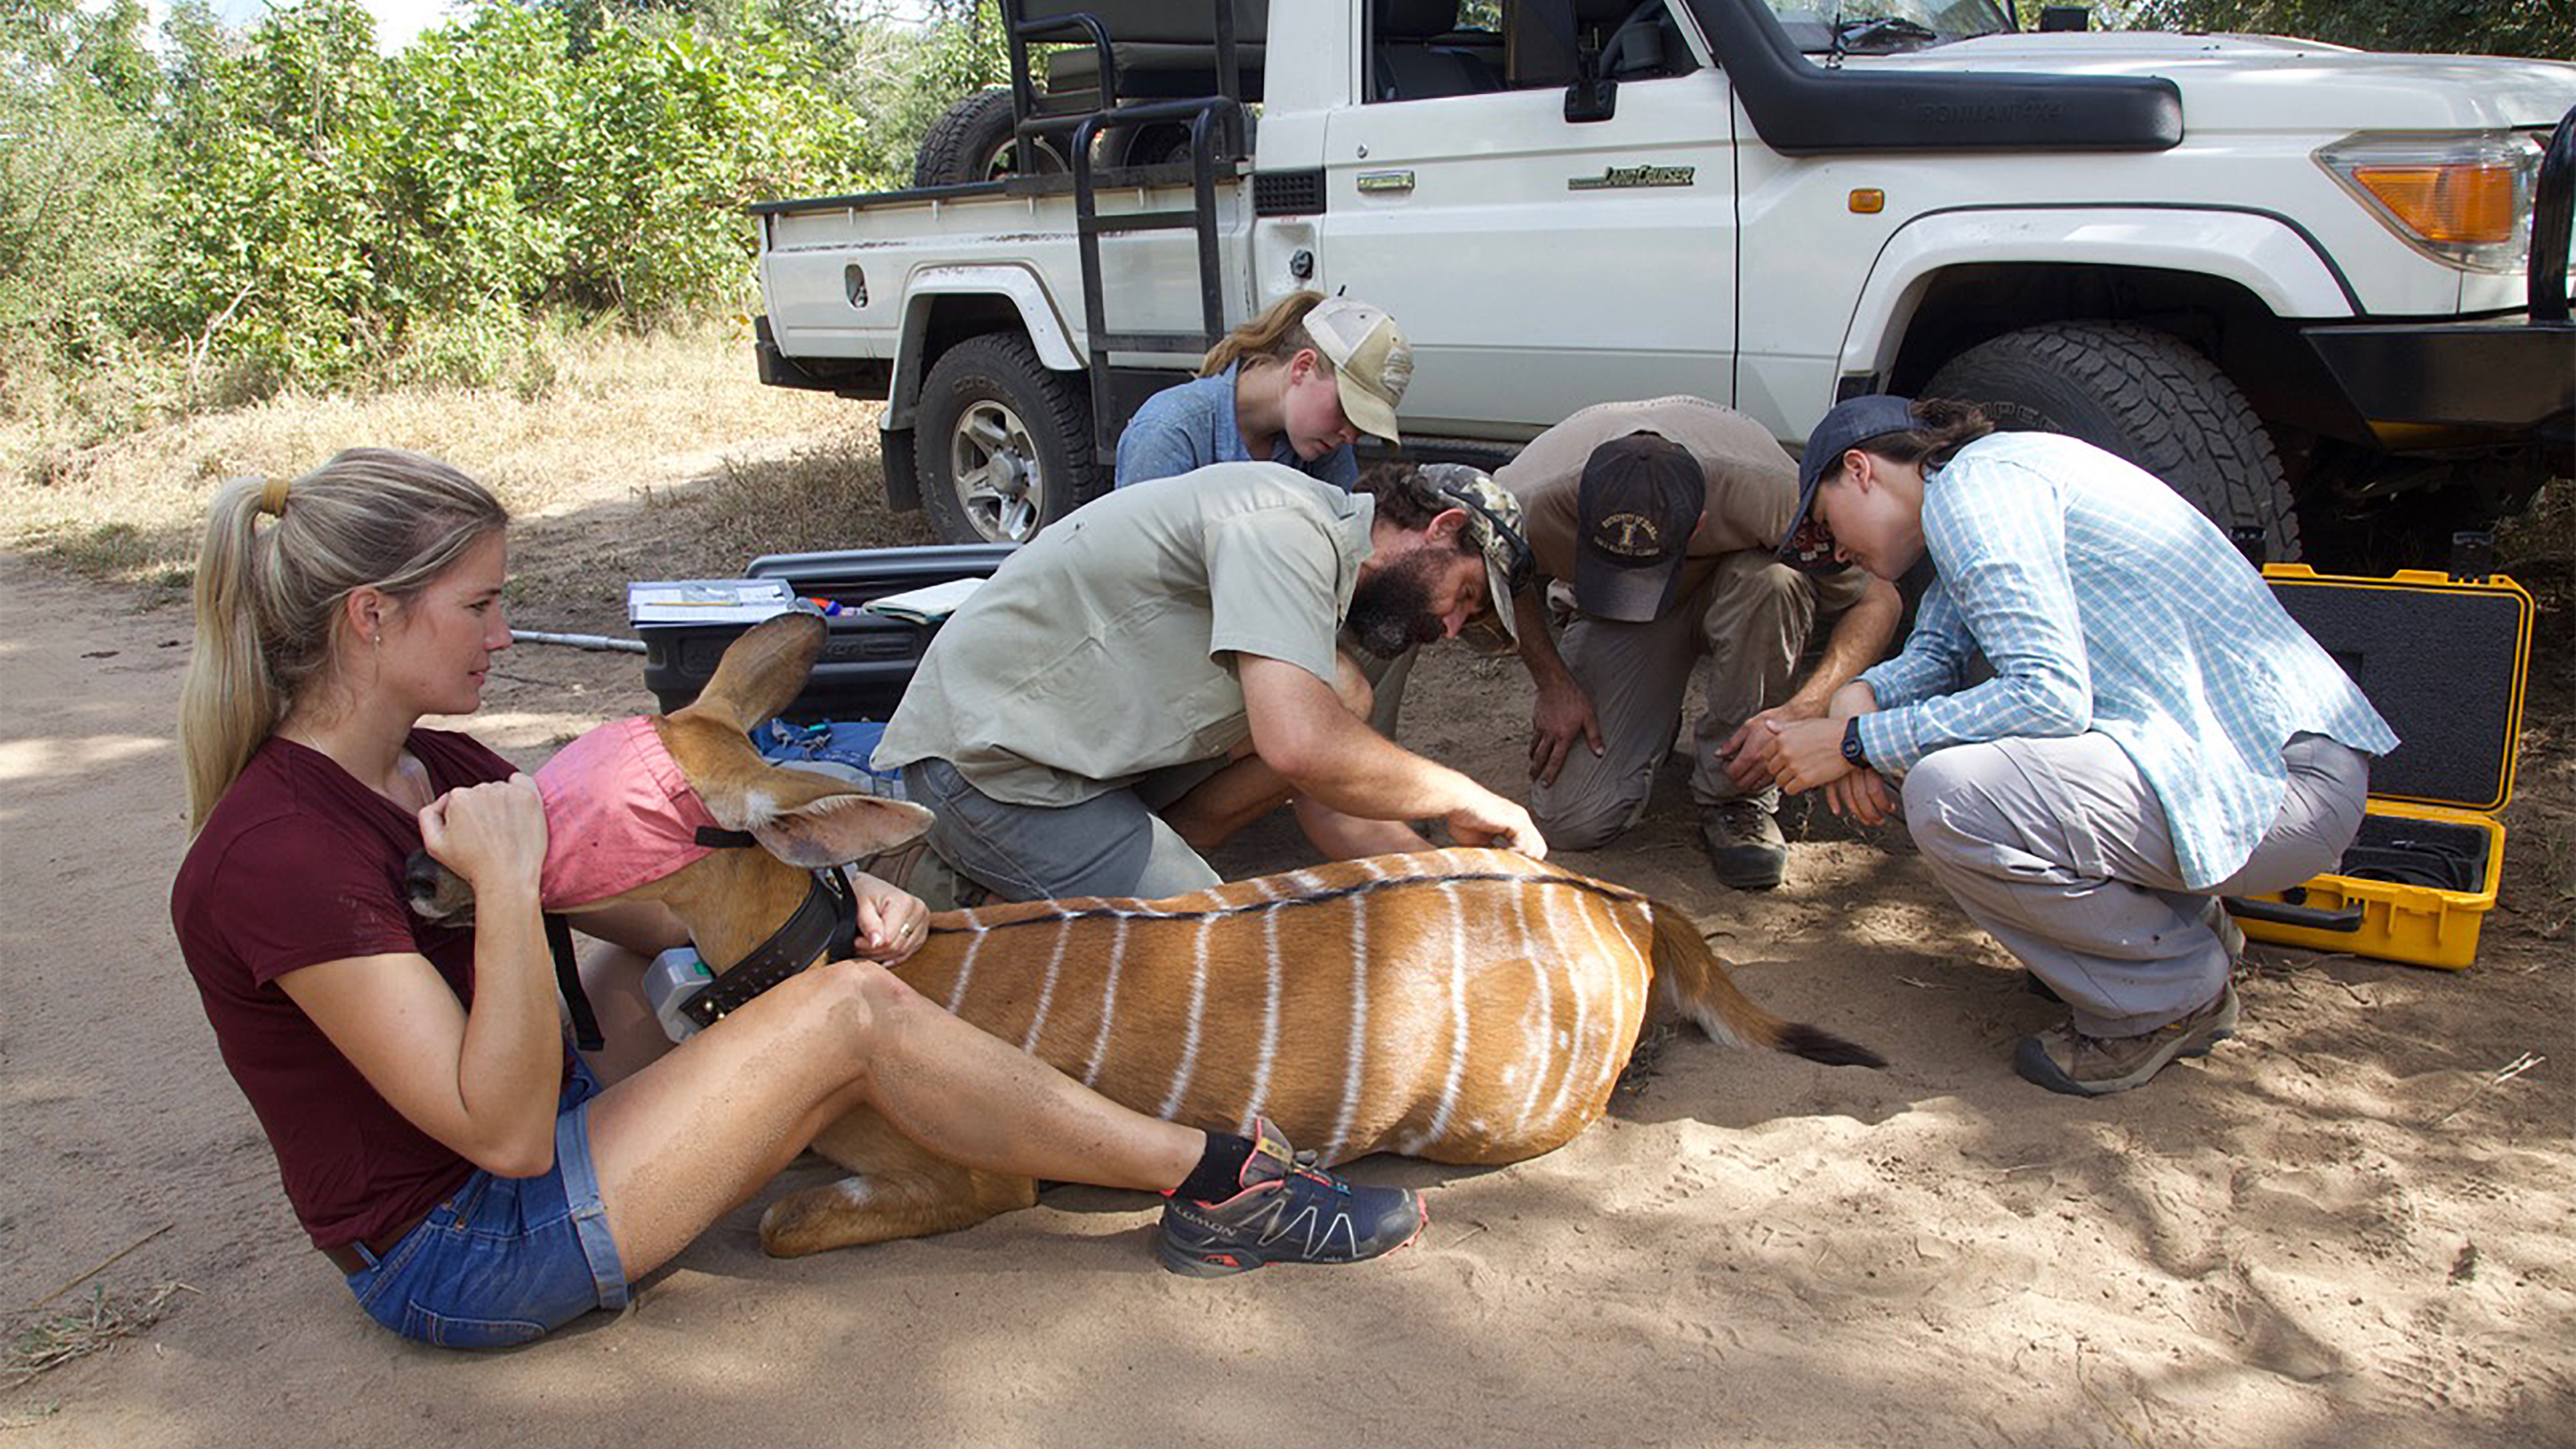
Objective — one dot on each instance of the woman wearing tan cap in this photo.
(1296, 385)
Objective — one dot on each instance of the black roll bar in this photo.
(2552, 209)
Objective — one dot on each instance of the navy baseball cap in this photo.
(1808, 546)
(1638, 504)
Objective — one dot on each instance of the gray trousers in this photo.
(2058, 848)
(1113, 844)
(1751, 618)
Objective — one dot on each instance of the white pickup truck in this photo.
(2313, 287)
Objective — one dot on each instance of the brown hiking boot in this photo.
(1745, 847)
(2063, 1059)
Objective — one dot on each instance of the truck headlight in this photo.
(2464, 197)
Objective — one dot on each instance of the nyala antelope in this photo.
(1465, 1006)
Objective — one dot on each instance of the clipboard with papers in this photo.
(927, 605)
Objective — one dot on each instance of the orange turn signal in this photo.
(1868, 201)
(2456, 202)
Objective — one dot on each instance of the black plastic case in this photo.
(866, 660)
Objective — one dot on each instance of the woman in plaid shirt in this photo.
(2156, 732)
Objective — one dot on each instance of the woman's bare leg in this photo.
(695, 1134)
(613, 977)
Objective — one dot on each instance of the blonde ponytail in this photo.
(268, 596)
(1274, 336)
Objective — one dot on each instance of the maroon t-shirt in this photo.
(300, 864)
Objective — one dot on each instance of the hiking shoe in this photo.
(2063, 1059)
(1744, 843)
(2230, 935)
(1287, 1212)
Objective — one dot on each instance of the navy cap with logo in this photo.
(1808, 545)
(1638, 504)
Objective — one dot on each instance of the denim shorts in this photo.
(504, 1259)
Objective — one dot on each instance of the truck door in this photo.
(1538, 265)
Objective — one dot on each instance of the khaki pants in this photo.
(1751, 617)
(2061, 851)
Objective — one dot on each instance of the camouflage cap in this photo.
(1493, 524)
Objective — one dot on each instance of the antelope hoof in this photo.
(814, 1219)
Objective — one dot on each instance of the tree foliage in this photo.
(225, 212)
(2545, 29)
(231, 212)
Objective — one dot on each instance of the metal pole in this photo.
(577, 641)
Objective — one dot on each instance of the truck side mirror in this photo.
(1593, 96)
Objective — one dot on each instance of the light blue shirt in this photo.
(1190, 426)
(2105, 602)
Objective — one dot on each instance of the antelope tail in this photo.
(1695, 983)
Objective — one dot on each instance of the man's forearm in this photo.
(1860, 637)
(1301, 729)
(1363, 773)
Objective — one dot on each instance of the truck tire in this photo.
(2145, 395)
(1003, 444)
(1155, 143)
(973, 141)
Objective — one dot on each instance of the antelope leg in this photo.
(899, 1191)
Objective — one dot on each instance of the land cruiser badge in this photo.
(1623, 176)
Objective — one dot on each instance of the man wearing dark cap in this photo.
(1656, 520)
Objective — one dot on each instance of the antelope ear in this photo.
(812, 821)
(761, 671)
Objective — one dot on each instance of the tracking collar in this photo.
(825, 925)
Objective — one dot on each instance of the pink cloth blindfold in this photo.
(618, 814)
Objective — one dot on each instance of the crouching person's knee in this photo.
(1351, 686)
(1947, 808)
(1586, 824)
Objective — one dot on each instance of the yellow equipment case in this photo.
(2444, 658)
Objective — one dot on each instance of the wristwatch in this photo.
(1852, 754)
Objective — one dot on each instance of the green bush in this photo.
(80, 167)
(289, 207)
(2542, 28)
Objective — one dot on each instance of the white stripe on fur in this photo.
(1108, 1002)
(1046, 985)
(1190, 1035)
(1355, 1063)
(1260, 1092)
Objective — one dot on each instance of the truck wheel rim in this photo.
(1009, 159)
(995, 464)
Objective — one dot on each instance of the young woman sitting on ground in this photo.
(440, 1142)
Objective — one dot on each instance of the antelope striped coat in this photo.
(1468, 1006)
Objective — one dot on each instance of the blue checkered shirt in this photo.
(2105, 602)
(1186, 427)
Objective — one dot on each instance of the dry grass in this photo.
(82, 1331)
(625, 457)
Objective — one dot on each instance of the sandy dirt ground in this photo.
(2340, 1229)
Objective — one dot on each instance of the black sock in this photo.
(1219, 1174)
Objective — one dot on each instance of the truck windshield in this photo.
(1879, 27)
